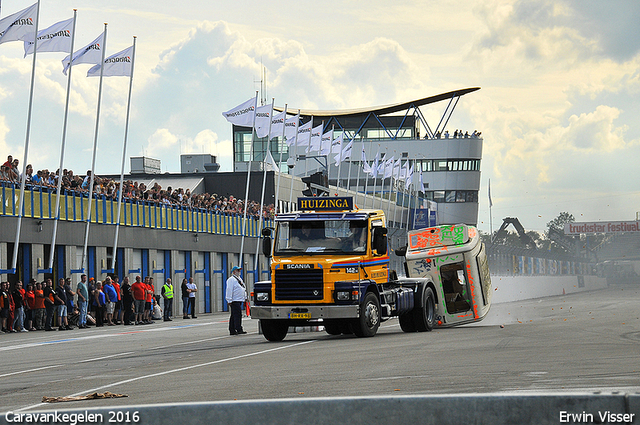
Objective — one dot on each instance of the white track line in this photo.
(166, 372)
(61, 365)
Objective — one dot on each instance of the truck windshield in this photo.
(335, 236)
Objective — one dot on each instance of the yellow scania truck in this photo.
(330, 267)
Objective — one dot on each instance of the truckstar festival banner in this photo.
(591, 228)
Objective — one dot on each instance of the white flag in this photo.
(408, 182)
(304, 131)
(263, 118)
(242, 114)
(117, 65)
(421, 182)
(365, 165)
(381, 166)
(269, 163)
(19, 26)
(396, 169)
(277, 125)
(56, 38)
(91, 53)
(336, 145)
(344, 153)
(404, 171)
(316, 139)
(374, 165)
(290, 127)
(325, 143)
(388, 168)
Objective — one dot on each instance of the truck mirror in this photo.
(380, 240)
(266, 246)
(266, 231)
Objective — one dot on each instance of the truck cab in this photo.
(324, 261)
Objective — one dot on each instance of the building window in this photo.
(451, 196)
(450, 164)
(440, 165)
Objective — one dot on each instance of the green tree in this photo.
(559, 222)
(555, 233)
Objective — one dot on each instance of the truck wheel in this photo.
(424, 318)
(406, 322)
(369, 321)
(274, 330)
(332, 328)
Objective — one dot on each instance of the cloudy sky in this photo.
(559, 80)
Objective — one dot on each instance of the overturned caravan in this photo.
(454, 259)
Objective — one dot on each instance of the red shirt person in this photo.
(139, 291)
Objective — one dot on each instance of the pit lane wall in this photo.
(494, 409)
(516, 288)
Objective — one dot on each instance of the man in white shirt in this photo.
(236, 296)
(192, 297)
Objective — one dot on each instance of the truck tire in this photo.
(406, 322)
(369, 321)
(274, 330)
(424, 318)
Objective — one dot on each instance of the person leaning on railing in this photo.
(134, 191)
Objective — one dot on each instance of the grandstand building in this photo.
(450, 165)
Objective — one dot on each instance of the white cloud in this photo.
(163, 144)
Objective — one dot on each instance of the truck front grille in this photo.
(299, 285)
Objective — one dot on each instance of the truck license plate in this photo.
(299, 315)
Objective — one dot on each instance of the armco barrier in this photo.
(494, 409)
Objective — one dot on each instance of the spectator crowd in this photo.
(133, 191)
(41, 306)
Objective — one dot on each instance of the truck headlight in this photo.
(343, 295)
(262, 296)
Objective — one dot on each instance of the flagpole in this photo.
(62, 148)
(95, 148)
(246, 193)
(375, 181)
(264, 181)
(415, 209)
(390, 184)
(358, 175)
(23, 180)
(490, 214)
(328, 156)
(308, 147)
(409, 208)
(366, 178)
(339, 165)
(403, 195)
(395, 209)
(280, 148)
(350, 156)
(321, 133)
(124, 153)
(295, 151)
(384, 176)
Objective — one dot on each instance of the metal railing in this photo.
(39, 202)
